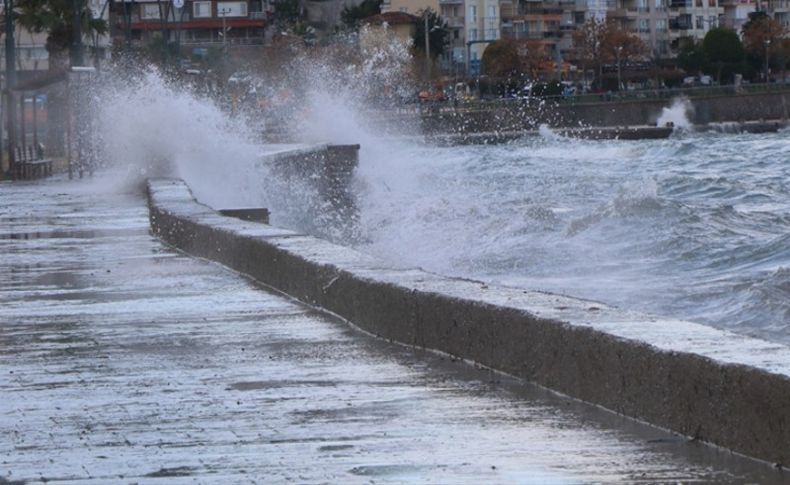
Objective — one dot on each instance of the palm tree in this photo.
(58, 18)
(65, 22)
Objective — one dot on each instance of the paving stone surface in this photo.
(123, 361)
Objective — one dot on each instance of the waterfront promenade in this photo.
(124, 361)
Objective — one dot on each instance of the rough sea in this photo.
(696, 226)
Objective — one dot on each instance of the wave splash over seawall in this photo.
(693, 227)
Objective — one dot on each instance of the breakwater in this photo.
(704, 383)
(527, 115)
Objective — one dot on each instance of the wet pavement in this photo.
(123, 361)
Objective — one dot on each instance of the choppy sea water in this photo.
(695, 227)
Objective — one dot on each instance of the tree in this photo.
(353, 15)
(588, 42)
(501, 59)
(56, 18)
(287, 14)
(691, 56)
(599, 42)
(534, 57)
(438, 34)
(763, 39)
(722, 49)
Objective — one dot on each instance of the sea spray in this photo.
(677, 114)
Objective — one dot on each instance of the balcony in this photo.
(538, 35)
(253, 19)
(454, 22)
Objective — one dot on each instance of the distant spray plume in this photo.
(678, 113)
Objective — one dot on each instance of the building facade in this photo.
(193, 23)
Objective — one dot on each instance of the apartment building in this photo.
(779, 10)
(452, 11)
(483, 26)
(193, 22)
(736, 13)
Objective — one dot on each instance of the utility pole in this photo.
(10, 82)
(76, 43)
(427, 48)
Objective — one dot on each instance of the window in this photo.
(714, 21)
(472, 34)
(231, 9)
(201, 9)
(700, 22)
(661, 25)
(644, 25)
(149, 11)
(492, 12)
(473, 14)
(404, 9)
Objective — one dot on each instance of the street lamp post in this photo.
(427, 47)
(767, 47)
(10, 82)
(223, 13)
(618, 50)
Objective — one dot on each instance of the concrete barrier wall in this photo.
(701, 382)
(519, 116)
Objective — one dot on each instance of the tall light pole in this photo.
(618, 50)
(10, 81)
(77, 59)
(767, 43)
(427, 47)
(223, 13)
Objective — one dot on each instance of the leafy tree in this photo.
(353, 15)
(588, 42)
(287, 14)
(501, 59)
(56, 18)
(691, 56)
(534, 57)
(723, 49)
(599, 42)
(763, 39)
(438, 34)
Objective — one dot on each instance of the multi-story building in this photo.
(692, 19)
(779, 10)
(483, 26)
(453, 12)
(195, 22)
(413, 7)
(736, 13)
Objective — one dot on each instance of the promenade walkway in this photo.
(123, 361)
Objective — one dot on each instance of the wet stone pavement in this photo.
(123, 361)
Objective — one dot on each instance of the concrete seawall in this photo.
(519, 116)
(704, 383)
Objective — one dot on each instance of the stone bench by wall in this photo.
(704, 383)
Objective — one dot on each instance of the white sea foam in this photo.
(677, 114)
